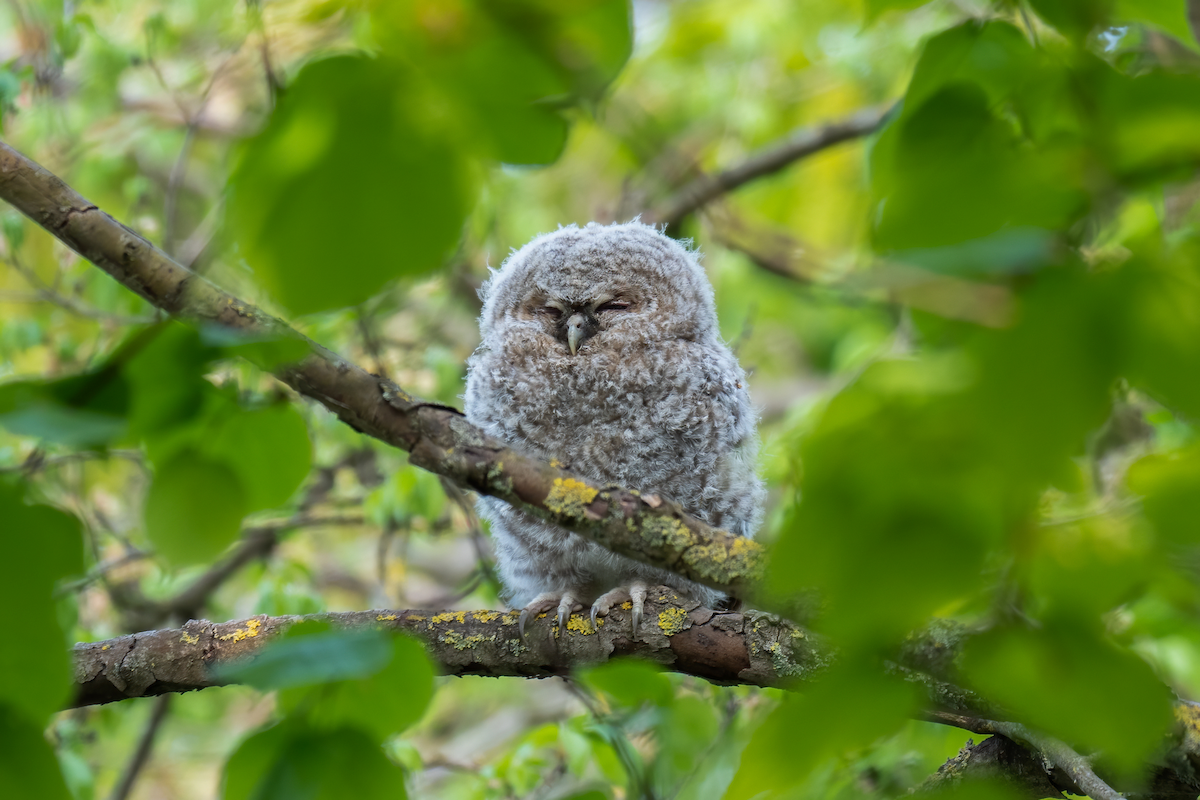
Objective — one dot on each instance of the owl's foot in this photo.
(635, 593)
(564, 601)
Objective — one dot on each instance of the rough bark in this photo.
(724, 647)
(438, 438)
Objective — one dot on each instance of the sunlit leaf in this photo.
(348, 187)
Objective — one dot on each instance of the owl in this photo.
(600, 349)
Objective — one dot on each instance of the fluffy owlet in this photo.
(601, 349)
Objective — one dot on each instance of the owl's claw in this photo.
(564, 602)
(540, 604)
(635, 593)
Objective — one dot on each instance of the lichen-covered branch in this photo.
(725, 647)
(797, 145)
(643, 527)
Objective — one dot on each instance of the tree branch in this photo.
(726, 647)
(643, 527)
(797, 145)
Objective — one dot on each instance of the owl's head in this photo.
(600, 284)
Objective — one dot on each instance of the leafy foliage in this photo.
(975, 337)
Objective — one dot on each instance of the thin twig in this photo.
(1056, 751)
(797, 145)
(43, 291)
(145, 745)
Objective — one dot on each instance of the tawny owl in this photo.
(601, 349)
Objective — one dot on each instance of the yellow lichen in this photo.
(672, 620)
(385, 617)
(485, 616)
(183, 638)
(628, 606)
(570, 497)
(250, 630)
(415, 618)
(554, 462)
(578, 624)
(105, 647)
(450, 616)
(460, 642)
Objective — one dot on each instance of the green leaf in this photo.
(349, 186)
(79, 411)
(268, 448)
(851, 706)
(194, 508)
(393, 696)
(1169, 15)
(1063, 678)
(1074, 18)
(876, 8)
(28, 767)
(1170, 486)
(510, 68)
(42, 545)
(167, 379)
(630, 682)
(950, 171)
(311, 653)
(289, 762)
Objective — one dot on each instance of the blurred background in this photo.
(960, 333)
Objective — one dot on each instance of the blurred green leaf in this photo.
(849, 708)
(311, 653)
(347, 168)
(268, 448)
(42, 545)
(194, 508)
(510, 68)
(79, 411)
(950, 171)
(28, 767)
(294, 763)
(1170, 489)
(1169, 15)
(385, 700)
(1073, 18)
(1064, 679)
(629, 682)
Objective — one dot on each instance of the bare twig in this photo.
(43, 291)
(145, 744)
(797, 145)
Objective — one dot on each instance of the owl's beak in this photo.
(575, 332)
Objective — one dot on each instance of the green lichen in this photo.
(661, 532)
(739, 560)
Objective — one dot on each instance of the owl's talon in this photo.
(595, 625)
(542, 603)
(565, 606)
(637, 597)
(635, 593)
(521, 623)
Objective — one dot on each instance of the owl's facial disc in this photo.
(575, 323)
